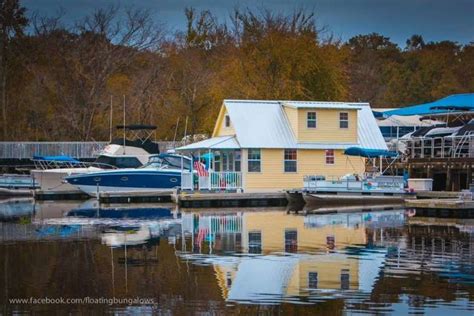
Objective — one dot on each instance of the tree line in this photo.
(58, 80)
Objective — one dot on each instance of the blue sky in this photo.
(398, 19)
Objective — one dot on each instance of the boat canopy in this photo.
(134, 127)
(369, 153)
(451, 103)
(56, 158)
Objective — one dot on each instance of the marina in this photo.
(243, 159)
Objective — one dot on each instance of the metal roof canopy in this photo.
(134, 127)
(449, 104)
(221, 142)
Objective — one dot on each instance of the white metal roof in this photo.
(369, 133)
(221, 142)
(264, 124)
(412, 120)
(260, 124)
(323, 105)
(325, 145)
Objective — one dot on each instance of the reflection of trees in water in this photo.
(84, 268)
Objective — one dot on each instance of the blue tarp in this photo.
(369, 153)
(454, 102)
(56, 158)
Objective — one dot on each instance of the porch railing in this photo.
(187, 181)
(214, 181)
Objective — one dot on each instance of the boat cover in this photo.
(451, 103)
(56, 158)
(369, 153)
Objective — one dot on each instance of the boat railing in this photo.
(379, 182)
(438, 147)
(43, 164)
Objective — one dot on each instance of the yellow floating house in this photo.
(271, 145)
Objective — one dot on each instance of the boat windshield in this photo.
(172, 162)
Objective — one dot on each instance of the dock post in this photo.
(448, 179)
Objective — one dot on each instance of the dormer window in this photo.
(311, 120)
(343, 120)
(227, 121)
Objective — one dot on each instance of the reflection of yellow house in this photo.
(298, 274)
(273, 232)
(272, 145)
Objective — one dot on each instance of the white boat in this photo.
(352, 189)
(51, 171)
(162, 173)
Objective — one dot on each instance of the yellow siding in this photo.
(328, 266)
(309, 162)
(273, 232)
(292, 115)
(327, 129)
(220, 129)
(329, 272)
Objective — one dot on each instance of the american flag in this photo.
(201, 169)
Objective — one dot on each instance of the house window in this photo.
(255, 242)
(329, 156)
(227, 121)
(345, 279)
(291, 240)
(313, 280)
(254, 160)
(311, 120)
(217, 161)
(344, 120)
(290, 160)
(237, 161)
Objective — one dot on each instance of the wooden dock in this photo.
(41, 195)
(351, 209)
(224, 199)
(451, 204)
(151, 196)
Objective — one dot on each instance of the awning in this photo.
(369, 153)
(452, 103)
(221, 142)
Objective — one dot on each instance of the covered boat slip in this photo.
(443, 153)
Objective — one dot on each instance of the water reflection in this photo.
(211, 261)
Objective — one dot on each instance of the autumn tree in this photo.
(371, 56)
(87, 56)
(12, 23)
(283, 57)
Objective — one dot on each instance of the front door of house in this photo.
(228, 161)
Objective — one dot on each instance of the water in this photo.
(157, 259)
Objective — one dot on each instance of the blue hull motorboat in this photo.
(162, 173)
